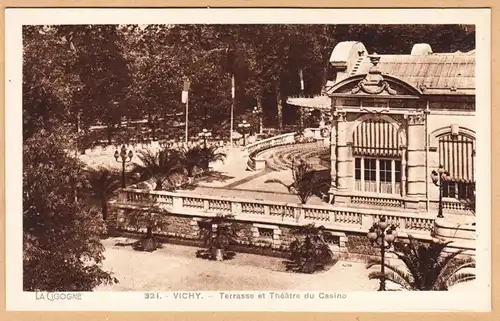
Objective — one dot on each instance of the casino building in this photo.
(393, 120)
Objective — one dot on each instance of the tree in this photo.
(49, 81)
(426, 267)
(191, 159)
(309, 252)
(103, 186)
(104, 72)
(306, 181)
(159, 165)
(156, 77)
(61, 236)
(210, 154)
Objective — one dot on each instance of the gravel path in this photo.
(175, 267)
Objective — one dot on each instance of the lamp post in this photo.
(205, 134)
(383, 236)
(244, 125)
(123, 157)
(438, 177)
(258, 114)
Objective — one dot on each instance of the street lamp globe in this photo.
(372, 235)
(389, 237)
(130, 154)
(382, 223)
(435, 177)
(117, 155)
(394, 231)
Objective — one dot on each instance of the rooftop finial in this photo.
(374, 59)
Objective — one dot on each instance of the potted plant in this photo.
(152, 218)
(217, 234)
(309, 252)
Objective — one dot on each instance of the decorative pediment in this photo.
(373, 86)
(374, 83)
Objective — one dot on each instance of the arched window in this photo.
(456, 154)
(377, 157)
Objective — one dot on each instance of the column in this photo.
(393, 176)
(416, 160)
(403, 171)
(333, 157)
(343, 158)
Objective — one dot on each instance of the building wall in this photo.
(418, 128)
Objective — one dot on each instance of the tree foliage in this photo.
(159, 165)
(103, 184)
(426, 267)
(103, 73)
(306, 181)
(62, 248)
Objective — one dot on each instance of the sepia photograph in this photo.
(297, 161)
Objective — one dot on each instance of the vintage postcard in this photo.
(248, 160)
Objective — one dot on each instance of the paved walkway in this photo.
(175, 267)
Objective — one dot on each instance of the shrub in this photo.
(309, 252)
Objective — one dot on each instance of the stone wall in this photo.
(359, 244)
(245, 233)
(344, 245)
(181, 226)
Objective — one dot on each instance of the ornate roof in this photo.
(448, 74)
(422, 71)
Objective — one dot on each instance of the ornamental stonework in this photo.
(341, 116)
(415, 119)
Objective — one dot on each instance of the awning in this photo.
(456, 154)
(316, 102)
(376, 138)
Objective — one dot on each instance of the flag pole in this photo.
(185, 99)
(232, 110)
(301, 109)
(187, 117)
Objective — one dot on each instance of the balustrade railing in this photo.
(377, 201)
(454, 205)
(261, 145)
(270, 211)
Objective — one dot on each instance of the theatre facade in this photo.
(392, 120)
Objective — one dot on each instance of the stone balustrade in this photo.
(254, 149)
(270, 212)
(284, 139)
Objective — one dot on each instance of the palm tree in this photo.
(103, 184)
(191, 159)
(211, 154)
(160, 165)
(426, 268)
(309, 252)
(305, 183)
